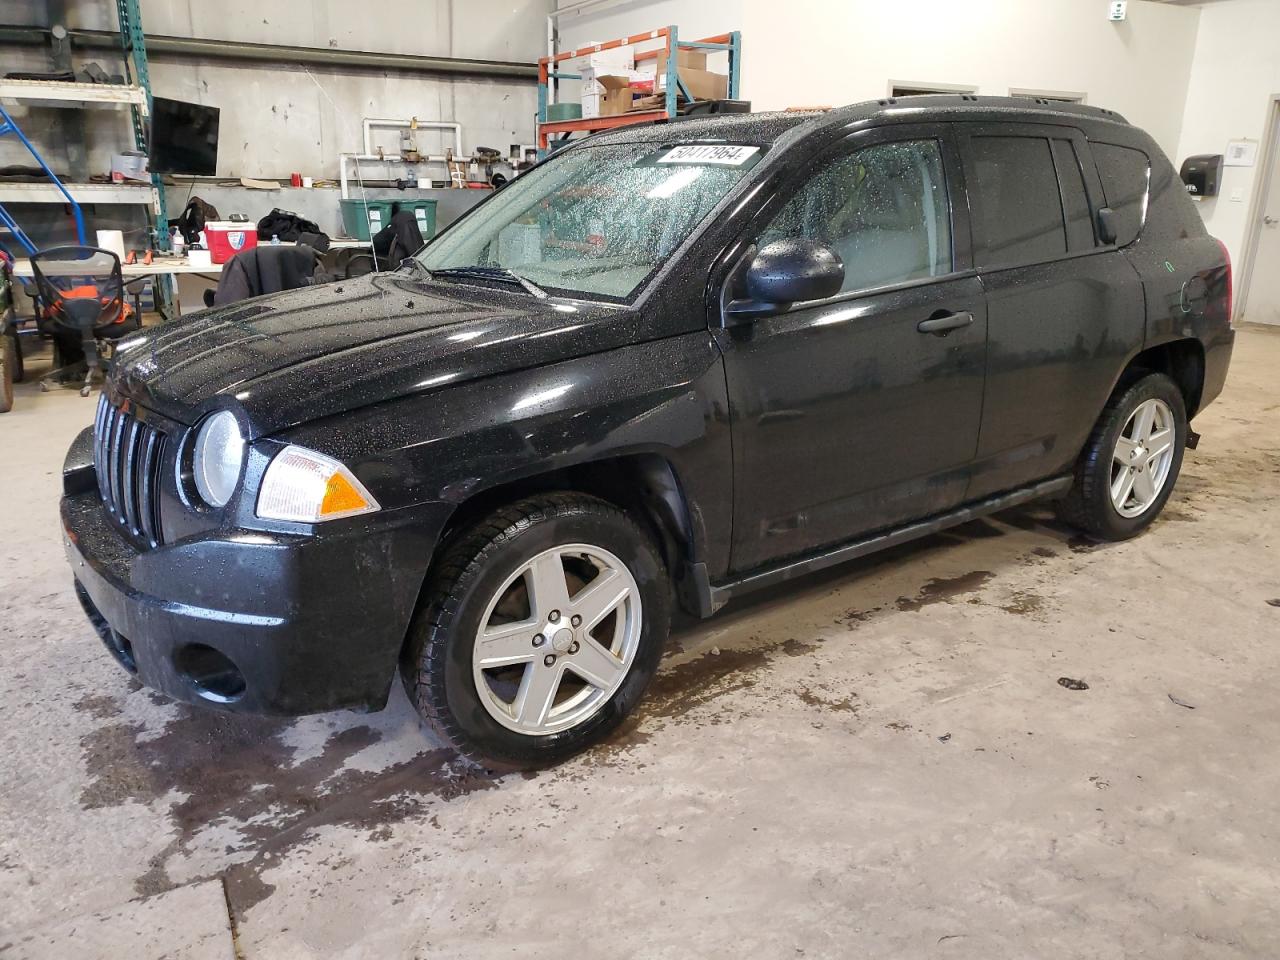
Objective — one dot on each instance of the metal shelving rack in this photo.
(547, 72)
(136, 95)
(133, 47)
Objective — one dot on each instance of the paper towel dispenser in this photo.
(1202, 173)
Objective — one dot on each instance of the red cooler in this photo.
(227, 238)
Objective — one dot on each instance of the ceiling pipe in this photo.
(161, 47)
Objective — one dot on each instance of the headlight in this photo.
(308, 487)
(217, 458)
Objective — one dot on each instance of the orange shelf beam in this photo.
(609, 45)
(730, 42)
(595, 124)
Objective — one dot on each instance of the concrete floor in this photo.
(879, 762)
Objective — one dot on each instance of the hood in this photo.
(296, 356)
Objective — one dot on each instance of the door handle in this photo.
(1270, 221)
(940, 326)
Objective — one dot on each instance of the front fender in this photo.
(665, 397)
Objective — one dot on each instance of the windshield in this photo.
(596, 221)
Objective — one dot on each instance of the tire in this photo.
(493, 574)
(19, 366)
(9, 370)
(1091, 504)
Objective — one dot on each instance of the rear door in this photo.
(847, 415)
(1063, 311)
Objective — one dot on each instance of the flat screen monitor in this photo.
(184, 138)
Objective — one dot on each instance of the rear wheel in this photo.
(1127, 470)
(539, 631)
(10, 369)
(19, 369)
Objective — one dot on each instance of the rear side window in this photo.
(882, 209)
(1075, 201)
(1125, 174)
(1019, 210)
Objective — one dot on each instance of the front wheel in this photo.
(1127, 470)
(539, 630)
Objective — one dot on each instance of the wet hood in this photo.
(297, 356)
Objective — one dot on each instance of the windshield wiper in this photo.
(500, 274)
(414, 265)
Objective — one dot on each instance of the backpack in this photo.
(193, 218)
(284, 224)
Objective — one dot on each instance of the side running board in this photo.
(705, 598)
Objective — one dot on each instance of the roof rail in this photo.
(998, 103)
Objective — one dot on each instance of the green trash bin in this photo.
(424, 211)
(363, 218)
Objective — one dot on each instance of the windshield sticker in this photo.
(720, 154)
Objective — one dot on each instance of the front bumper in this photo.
(255, 622)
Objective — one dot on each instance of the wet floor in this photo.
(877, 761)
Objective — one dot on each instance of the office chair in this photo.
(351, 263)
(80, 303)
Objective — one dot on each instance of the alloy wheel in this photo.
(557, 639)
(1142, 458)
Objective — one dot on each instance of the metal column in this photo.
(133, 46)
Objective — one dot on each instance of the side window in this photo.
(1075, 201)
(1020, 217)
(883, 210)
(1125, 173)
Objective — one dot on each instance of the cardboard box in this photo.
(590, 106)
(654, 102)
(611, 96)
(617, 60)
(129, 167)
(591, 78)
(644, 76)
(693, 59)
(701, 83)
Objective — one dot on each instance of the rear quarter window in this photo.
(1126, 178)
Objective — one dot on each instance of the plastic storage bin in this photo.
(424, 211)
(363, 218)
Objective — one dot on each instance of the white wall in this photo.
(696, 19)
(1235, 73)
(834, 53)
(813, 52)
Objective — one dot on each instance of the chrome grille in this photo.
(127, 454)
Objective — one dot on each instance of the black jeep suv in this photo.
(674, 361)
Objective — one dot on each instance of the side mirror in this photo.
(1107, 225)
(790, 271)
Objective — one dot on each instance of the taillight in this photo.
(1230, 287)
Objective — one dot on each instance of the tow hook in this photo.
(1193, 439)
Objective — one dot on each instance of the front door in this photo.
(859, 412)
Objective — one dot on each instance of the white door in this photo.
(1262, 304)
